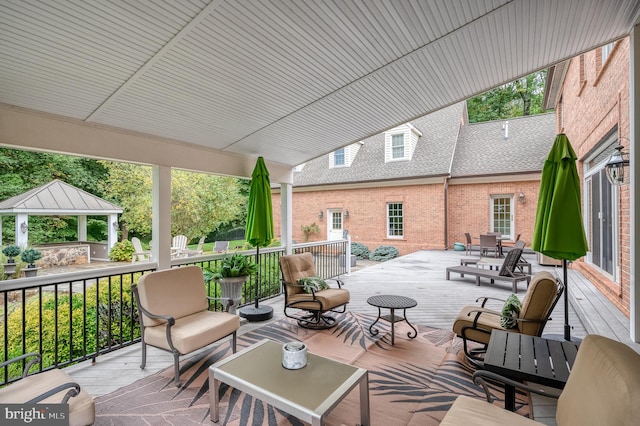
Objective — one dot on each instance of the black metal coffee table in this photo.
(391, 302)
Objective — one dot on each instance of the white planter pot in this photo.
(231, 289)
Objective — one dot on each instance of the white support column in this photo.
(22, 238)
(161, 216)
(1, 232)
(112, 234)
(286, 216)
(82, 228)
(634, 134)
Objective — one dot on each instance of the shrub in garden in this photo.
(360, 251)
(122, 251)
(383, 253)
(111, 319)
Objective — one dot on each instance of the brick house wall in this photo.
(470, 208)
(423, 215)
(595, 99)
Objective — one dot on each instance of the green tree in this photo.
(515, 99)
(200, 202)
(21, 171)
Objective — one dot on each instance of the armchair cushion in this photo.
(472, 411)
(194, 331)
(510, 311)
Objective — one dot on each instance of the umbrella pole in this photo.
(256, 313)
(567, 327)
(257, 275)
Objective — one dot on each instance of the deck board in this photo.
(421, 276)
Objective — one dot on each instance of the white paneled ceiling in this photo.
(286, 79)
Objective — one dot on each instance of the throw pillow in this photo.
(510, 310)
(311, 284)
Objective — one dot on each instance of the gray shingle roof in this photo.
(432, 156)
(57, 197)
(470, 150)
(483, 150)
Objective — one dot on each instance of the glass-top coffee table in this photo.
(308, 393)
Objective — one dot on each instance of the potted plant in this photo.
(30, 256)
(234, 270)
(10, 252)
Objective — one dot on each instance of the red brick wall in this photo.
(590, 110)
(469, 209)
(423, 215)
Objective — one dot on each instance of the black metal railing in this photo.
(73, 317)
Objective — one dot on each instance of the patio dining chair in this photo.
(488, 243)
(467, 236)
(475, 322)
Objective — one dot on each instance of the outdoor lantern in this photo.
(23, 227)
(617, 167)
(346, 214)
(320, 214)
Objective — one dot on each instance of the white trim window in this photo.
(343, 157)
(400, 143)
(395, 220)
(606, 51)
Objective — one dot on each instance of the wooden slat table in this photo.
(531, 358)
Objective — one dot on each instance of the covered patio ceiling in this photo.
(211, 85)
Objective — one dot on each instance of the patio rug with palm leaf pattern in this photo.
(413, 382)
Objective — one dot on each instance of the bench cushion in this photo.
(194, 331)
(472, 411)
(81, 407)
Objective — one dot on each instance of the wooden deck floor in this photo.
(420, 275)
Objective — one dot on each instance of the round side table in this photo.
(392, 303)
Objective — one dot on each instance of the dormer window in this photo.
(400, 143)
(397, 146)
(343, 157)
(338, 157)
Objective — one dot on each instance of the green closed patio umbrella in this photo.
(259, 231)
(559, 231)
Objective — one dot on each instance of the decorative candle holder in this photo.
(294, 355)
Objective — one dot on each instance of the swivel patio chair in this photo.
(48, 387)
(315, 304)
(475, 322)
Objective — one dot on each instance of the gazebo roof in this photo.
(57, 198)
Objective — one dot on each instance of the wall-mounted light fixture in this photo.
(320, 214)
(617, 168)
(346, 214)
(521, 197)
(23, 227)
(115, 225)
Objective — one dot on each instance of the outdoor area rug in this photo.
(413, 382)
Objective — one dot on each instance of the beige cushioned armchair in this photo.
(174, 314)
(475, 322)
(316, 304)
(49, 387)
